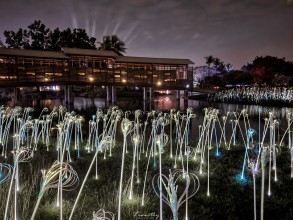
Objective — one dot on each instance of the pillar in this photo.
(185, 95)
(185, 98)
(178, 94)
(16, 95)
(144, 106)
(108, 99)
(113, 94)
(144, 94)
(65, 95)
(69, 94)
(151, 94)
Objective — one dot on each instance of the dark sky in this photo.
(236, 31)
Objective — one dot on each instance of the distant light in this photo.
(124, 80)
(91, 79)
(159, 83)
(46, 79)
(187, 86)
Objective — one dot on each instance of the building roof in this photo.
(89, 52)
(127, 59)
(32, 53)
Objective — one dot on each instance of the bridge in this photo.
(88, 67)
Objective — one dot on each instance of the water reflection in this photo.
(88, 106)
(80, 104)
(163, 102)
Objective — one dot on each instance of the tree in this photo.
(19, 39)
(54, 40)
(66, 38)
(209, 60)
(80, 39)
(265, 68)
(221, 67)
(113, 43)
(39, 36)
(217, 61)
(211, 81)
(238, 78)
(280, 80)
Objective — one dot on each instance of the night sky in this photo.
(234, 31)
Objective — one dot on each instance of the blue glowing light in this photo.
(218, 154)
(1, 176)
(241, 179)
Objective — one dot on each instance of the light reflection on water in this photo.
(88, 106)
(164, 102)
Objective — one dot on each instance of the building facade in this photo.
(72, 66)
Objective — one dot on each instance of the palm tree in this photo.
(217, 61)
(113, 43)
(209, 60)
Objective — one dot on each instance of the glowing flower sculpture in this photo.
(105, 140)
(21, 155)
(126, 127)
(9, 118)
(51, 180)
(5, 172)
(264, 159)
(171, 184)
(103, 215)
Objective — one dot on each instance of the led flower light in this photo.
(171, 188)
(19, 156)
(101, 214)
(10, 120)
(136, 140)
(105, 140)
(5, 172)
(50, 179)
(250, 133)
(126, 127)
(162, 140)
(264, 159)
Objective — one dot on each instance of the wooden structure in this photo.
(72, 66)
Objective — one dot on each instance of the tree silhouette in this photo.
(263, 69)
(55, 40)
(82, 40)
(19, 39)
(113, 43)
(39, 37)
(209, 60)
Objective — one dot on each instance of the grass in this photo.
(228, 200)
